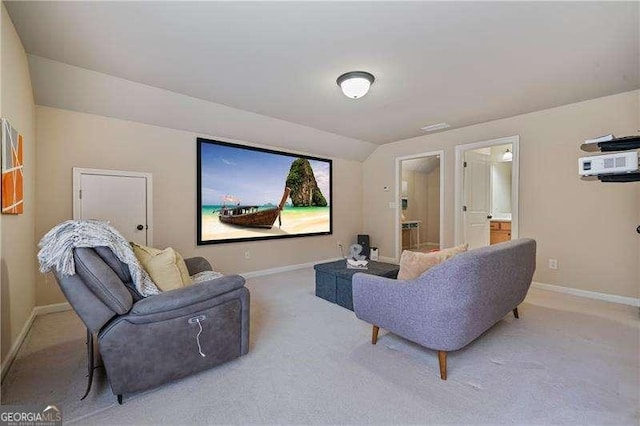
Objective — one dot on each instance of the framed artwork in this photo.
(247, 194)
(12, 170)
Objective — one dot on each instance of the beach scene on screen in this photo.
(252, 194)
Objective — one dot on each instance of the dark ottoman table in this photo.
(333, 279)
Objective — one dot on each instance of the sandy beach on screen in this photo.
(293, 222)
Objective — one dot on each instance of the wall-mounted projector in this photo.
(618, 163)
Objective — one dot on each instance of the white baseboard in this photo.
(53, 308)
(588, 294)
(37, 310)
(8, 360)
(286, 268)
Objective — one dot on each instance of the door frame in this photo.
(148, 177)
(398, 195)
(515, 182)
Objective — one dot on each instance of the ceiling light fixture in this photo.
(508, 155)
(355, 84)
(435, 127)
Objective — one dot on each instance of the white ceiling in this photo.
(454, 62)
(421, 165)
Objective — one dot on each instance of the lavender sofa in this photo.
(453, 303)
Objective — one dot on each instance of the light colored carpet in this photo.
(566, 361)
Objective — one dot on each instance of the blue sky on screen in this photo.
(254, 177)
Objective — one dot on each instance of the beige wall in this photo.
(588, 226)
(416, 201)
(18, 247)
(70, 139)
(501, 173)
(423, 203)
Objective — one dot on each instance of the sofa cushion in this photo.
(166, 267)
(413, 264)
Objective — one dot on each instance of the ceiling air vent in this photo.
(435, 127)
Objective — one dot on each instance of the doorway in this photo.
(487, 176)
(121, 198)
(419, 195)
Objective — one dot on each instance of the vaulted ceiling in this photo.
(455, 62)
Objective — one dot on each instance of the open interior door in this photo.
(476, 198)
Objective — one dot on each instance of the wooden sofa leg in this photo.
(374, 335)
(515, 313)
(442, 358)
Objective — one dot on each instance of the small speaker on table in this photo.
(363, 240)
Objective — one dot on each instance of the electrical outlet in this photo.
(392, 205)
(553, 263)
(247, 254)
(339, 244)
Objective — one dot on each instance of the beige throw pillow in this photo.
(166, 267)
(184, 272)
(413, 264)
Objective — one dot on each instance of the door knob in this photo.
(638, 229)
(139, 227)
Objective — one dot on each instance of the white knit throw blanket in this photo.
(56, 250)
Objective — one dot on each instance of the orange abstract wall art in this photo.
(12, 170)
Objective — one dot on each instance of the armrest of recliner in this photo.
(186, 296)
(197, 264)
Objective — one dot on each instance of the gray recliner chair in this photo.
(145, 342)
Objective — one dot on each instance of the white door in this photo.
(476, 198)
(118, 197)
